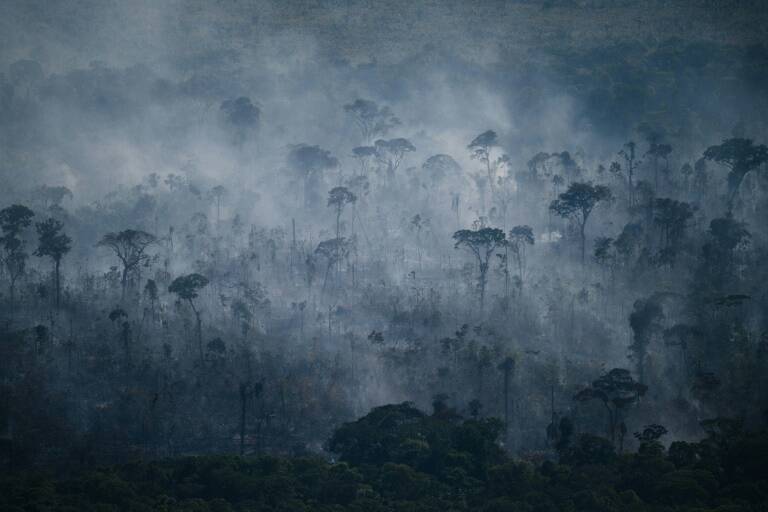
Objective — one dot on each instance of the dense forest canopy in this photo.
(383, 256)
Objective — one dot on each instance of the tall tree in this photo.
(333, 251)
(310, 162)
(13, 221)
(740, 156)
(242, 116)
(130, 247)
(507, 366)
(519, 238)
(390, 154)
(577, 203)
(631, 163)
(338, 198)
(187, 288)
(645, 322)
(364, 156)
(617, 391)
(217, 193)
(480, 149)
(372, 120)
(482, 243)
(53, 243)
(658, 151)
(150, 290)
(671, 217)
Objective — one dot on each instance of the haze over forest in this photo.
(341, 232)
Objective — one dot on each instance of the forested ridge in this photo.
(398, 458)
(247, 262)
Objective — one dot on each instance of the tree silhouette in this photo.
(129, 246)
(482, 243)
(739, 155)
(671, 216)
(187, 288)
(13, 221)
(577, 203)
(364, 155)
(338, 198)
(645, 322)
(390, 154)
(617, 391)
(631, 162)
(658, 150)
(372, 120)
(333, 251)
(518, 238)
(217, 193)
(54, 244)
(242, 116)
(507, 366)
(310, 162)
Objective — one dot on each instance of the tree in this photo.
(310, 162)
(13, 221)
(390, 153)
(333, 251)
(364, 155)
(507, 366)
(54, 244)
(480, 149)
(242, 116)
(519, 237)
(671, 216)
(645, 322)
(578, 202)
(658, 150)
(741, 156)
(371, 119)
(718, 270)
(150, 290)
(129, 246)
(604, 253)
(632, 163)
(187, 288)
(482, 243)
(617, 390)
(338, 198)
(217, 193)
(438, 167)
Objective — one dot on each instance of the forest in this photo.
(328, 256)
